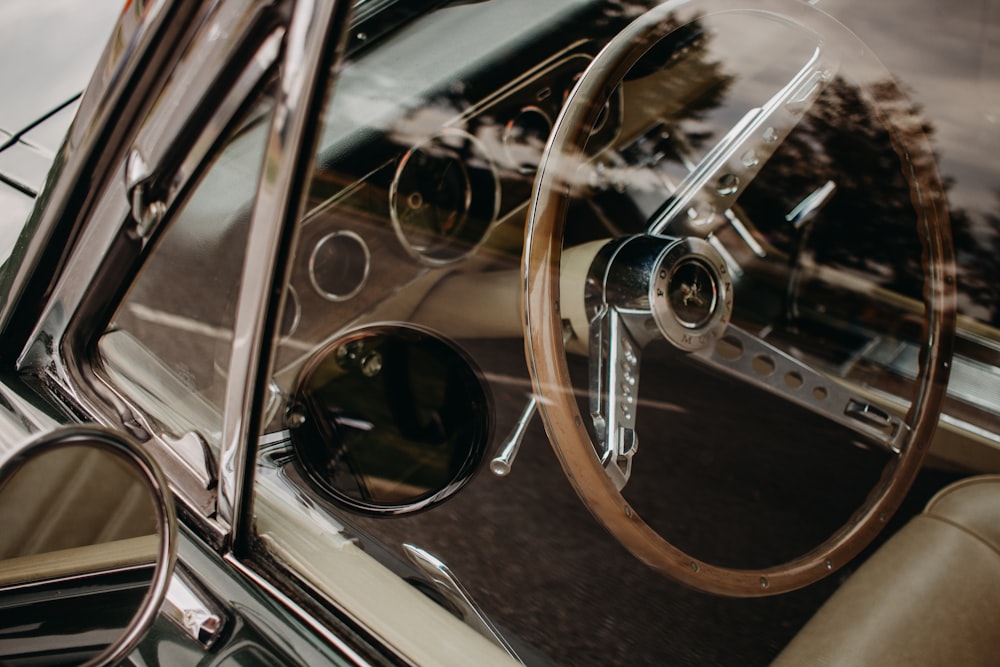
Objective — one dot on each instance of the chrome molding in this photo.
(192, 610)
(61, 365)
(309, 32)
(301, 614)
(449, 585)
(139, 166)
(193, 86)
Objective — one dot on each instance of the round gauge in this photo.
(443, 198)
(339, 265)
(390, 419)
(524, 138)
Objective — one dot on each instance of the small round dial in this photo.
(339, 265)
(524, 138)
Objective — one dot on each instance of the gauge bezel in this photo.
(441, 255)
(307, 440)
(510, 143)
(361, 282)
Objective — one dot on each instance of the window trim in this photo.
(62, 346)
(314, 45)
(199, 489)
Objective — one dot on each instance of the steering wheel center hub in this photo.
(691, 294)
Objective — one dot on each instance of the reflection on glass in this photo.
(187, 292)
(816, 222)
(78, 553)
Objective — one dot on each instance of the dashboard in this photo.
(438, 175)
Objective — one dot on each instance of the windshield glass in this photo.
(728, 219)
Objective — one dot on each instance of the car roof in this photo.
(48, 51)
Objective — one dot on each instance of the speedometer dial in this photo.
(444, 197)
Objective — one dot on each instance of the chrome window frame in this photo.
(103, 246)
(240, 96)
(313, 48)
(106, 246)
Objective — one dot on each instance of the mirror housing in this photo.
(87, 516)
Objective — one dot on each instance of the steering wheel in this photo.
(672, 283)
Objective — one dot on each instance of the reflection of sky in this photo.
(14, 208)
(405, 69)
(947, 55)
(48, 49)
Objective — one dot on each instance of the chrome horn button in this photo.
(691, 294)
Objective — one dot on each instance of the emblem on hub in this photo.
(691, 294)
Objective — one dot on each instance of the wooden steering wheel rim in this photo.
(546, 353)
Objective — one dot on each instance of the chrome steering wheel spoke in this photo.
(614, 388)
(753, 360)
(640, 289)
(696, 207)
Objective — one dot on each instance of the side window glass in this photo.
(167, 349)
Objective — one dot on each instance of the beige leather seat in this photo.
(929, 596)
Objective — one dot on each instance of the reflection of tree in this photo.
(869, 225)
(978, 248)
(666, 93)
(682, 80)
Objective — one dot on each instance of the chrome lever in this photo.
(146, 212)
(192, 610)
(501, 465)
(448, 585)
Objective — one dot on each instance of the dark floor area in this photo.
(728, 473)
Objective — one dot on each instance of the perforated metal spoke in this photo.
(759, 363)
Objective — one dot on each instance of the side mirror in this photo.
(86, 547)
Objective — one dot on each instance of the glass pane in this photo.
(168, 347)
(728, 214)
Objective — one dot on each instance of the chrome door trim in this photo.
(296, 610)
(102, 246)
(315, 27)
(120, 80)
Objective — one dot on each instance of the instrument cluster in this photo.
(387, 416)
(425, 190)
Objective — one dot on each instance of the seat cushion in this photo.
(929, 596)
